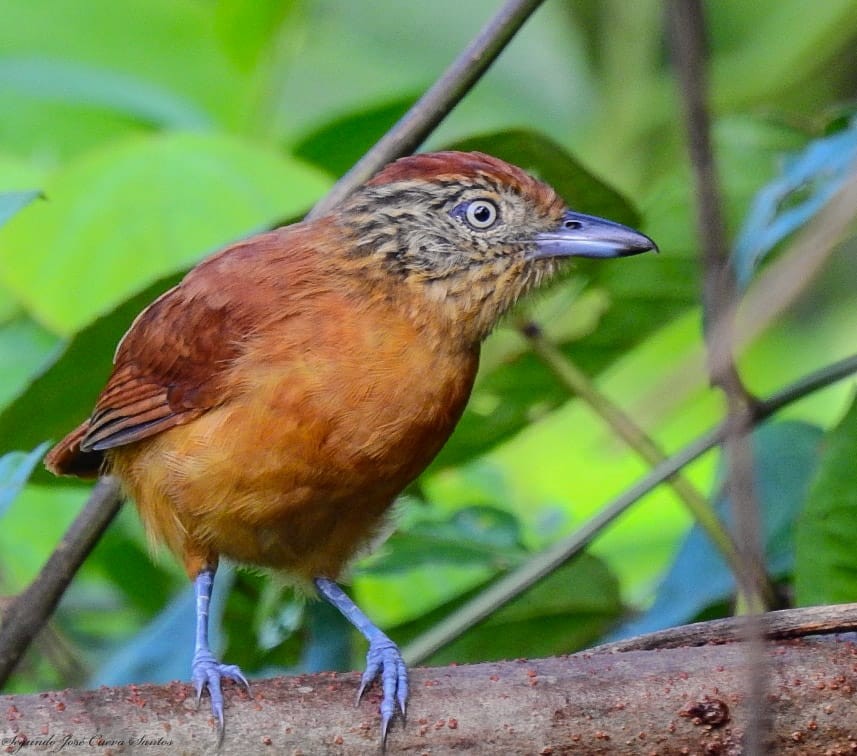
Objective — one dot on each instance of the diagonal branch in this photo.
(24, 618)
(637, 439)
(515, 583)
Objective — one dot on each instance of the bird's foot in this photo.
(385, 659)
(206, 673)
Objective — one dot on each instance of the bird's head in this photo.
(471, 233)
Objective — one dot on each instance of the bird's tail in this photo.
(66, 458)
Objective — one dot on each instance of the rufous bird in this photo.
(271, 406)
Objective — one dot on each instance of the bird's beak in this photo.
(579, 235)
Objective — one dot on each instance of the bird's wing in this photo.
(172, 364)
(167, 370)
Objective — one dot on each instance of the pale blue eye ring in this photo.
(479, 214)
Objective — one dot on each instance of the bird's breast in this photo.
(366, 393)
(333, 418)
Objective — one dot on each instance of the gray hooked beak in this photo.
(579, 235)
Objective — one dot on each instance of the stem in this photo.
(515, 583)
(576, 382)
(687, 34)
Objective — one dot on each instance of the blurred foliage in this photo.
(108, 205)
(808, 181)
(159, 130)
(15, 469)
(785, 456)
(826, 570)
(12, 202)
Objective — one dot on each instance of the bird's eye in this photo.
(480, 214)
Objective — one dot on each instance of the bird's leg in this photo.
(383, 657)
(206, 670)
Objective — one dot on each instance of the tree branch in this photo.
(681, 699)
(719, 302)
(780, 625)
(26, 615)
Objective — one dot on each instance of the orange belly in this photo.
(296, 470)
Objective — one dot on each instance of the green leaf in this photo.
(246, 27)
(63, 395)
(471, 536)
(30, 127)
(15, 469)
(16, 172)
(166, 47)
(12, 202)
(122, 216)
(826, 569)
(77, 84)
(25, 349)
(339, 144)
(566, 611)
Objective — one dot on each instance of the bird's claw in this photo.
(385, 659)
(207, 673)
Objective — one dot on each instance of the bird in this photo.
(270, 408)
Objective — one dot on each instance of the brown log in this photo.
(687, 700)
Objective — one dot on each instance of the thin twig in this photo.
(515, 583)
(425, 114)
(771, 293)
(720, 298)
(719, 295)
(27, 614)
(637, 439)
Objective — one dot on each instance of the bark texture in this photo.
(687, 700)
